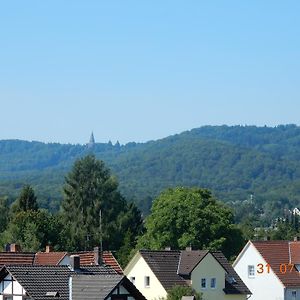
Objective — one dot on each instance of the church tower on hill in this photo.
(92, 141)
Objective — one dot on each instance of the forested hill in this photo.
(235, 162)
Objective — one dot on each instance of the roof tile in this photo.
(280, 253)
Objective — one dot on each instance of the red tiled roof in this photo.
(49, 258)
(295, 252)
(110, 260)
(54, 258)
(16, 258)
(88, 258)
(280, 253)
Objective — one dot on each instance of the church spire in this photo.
(92, 141)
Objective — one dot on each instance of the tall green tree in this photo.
(33, 230)
(90, 188)
(4, 211)
(182, 217)
(27, 199)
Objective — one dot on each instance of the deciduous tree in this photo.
(182, 217)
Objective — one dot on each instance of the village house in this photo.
(154, 273)
(270, 269)
(74, 282)
(14, 255)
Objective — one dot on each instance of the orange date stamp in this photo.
(283, 268)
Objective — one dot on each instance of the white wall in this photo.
(138, 268)
(9, 285)
(265, 286)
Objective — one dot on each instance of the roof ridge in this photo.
(165, 251)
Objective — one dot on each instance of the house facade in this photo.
(270, 269)
(24, 282)
(208, 272)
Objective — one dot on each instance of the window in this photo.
(147, 281)
(132, 279)
(251, 271)
(294, 294)
(203, 283)
(213, 283)
(7, 297)
(119, 297)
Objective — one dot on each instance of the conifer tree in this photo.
(89, 188)
(27, 199)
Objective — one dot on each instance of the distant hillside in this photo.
(235, 162)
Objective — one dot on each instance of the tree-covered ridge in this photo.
(233, 161)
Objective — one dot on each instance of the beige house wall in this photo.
(139, 269)
(210, 268)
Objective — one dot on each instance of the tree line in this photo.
(232, 161)
(94, 211)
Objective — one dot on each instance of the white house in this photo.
(270, 269)
(208, 272)
(74, 282)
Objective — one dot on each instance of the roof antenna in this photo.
(101, 238)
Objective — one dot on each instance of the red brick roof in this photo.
(295, 252)
(88, 258)
(54, 258)
(49, 258)
(110, 260)
(16, 258)
(280, 253)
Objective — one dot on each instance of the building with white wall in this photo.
(270, 269)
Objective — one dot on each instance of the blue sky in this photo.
(142, 70)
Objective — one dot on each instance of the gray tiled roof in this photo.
(173, 267)
(189, 260)
(99, 287)
(233, 283)
(164, 265)
(38, 280)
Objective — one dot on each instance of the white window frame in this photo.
(203, 280)
(147, 281)
(251, 271)
(213, 279)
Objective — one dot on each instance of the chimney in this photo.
(168, 248)
(98, 259)
(49, 248)
(7, 248)
(15, 248)
(75, 262)
(267, 238)
(189, 248)
(296, 238)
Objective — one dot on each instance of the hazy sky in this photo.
(141, 70)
